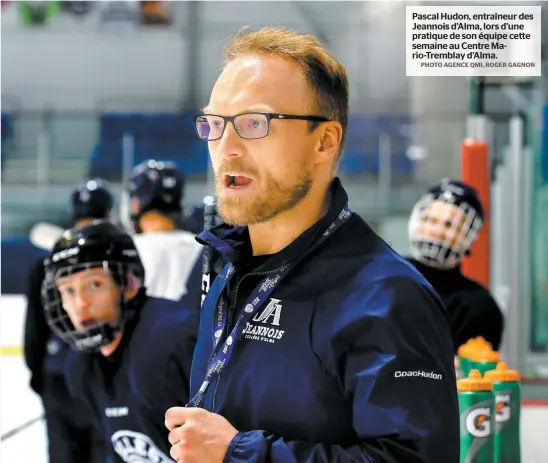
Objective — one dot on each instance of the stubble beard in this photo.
(275, 197)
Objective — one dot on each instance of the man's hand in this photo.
(198, 436)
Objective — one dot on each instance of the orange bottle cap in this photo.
(462, 350)
(502, 373)
(480, 341)
(472, 345)
(485, 356)
(474, 382)
(466, 349)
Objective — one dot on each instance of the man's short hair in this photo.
(326, 76)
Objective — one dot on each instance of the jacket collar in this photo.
(234, 244)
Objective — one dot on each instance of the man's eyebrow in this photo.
(93, 273)
(256, 108)
(63, 281)
(261, 108)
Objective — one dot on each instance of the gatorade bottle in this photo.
(467, 350)
(506, 386)
(476, 406)
(463, 355)
(484, 360)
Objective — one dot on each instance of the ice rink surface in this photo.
(18, 405)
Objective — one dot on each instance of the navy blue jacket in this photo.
(130, 391)
(355, 366)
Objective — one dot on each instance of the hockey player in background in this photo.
(442, 227)
(71, 436)
(168, 253)
(132, 353)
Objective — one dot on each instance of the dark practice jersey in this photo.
(131, 390)
(472, 310)
(45, 353)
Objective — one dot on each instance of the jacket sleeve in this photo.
(37, 331)
(391, 351)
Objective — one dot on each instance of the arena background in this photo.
(93, 88)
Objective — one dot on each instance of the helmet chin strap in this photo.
(94, 338)
(102, 334)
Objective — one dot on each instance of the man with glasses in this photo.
(317, 341)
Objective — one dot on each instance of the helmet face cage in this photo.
(442, 230)
(88, 339)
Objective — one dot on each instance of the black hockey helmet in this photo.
(99, 245)
(444, 223)
(155, 186)
(91, 199)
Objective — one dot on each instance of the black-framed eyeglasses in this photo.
(250, 126)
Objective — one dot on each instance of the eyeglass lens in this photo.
(247, 125)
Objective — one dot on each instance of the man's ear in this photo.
(133, 286)
(329, 141)
(135, 206)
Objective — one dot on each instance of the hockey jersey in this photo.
(168, 258)
(472, 310)
(44, 352)
(130, 391)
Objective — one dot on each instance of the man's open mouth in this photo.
(236, 181)
(89, 323)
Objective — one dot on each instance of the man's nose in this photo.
(82, 303)
(231, 144)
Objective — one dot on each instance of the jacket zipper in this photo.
(232, 307)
